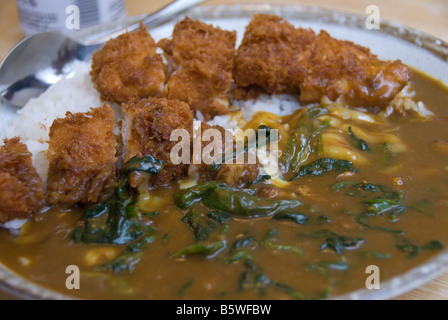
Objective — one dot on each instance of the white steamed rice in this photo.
(32, 124)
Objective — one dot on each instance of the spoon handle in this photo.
(104, 32)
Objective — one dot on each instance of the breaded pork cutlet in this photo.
(201, 60)
(128, 66)
(21, 193)
(270, 54)
(337, 68)
(81, 153)
(276, 57)
(146, 130)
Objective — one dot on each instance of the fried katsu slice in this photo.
(146, 130)
(337, 68)
(128, 66)
(21, 192)
(201, 60)
(81, 153)
(270, 54)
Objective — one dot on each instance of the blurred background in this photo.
(429, 16)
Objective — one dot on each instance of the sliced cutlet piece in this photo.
(146, 130)
(81, 153)
(342, 69)
(21, 192)
(128, 66)
(200, 59)
(269, 56)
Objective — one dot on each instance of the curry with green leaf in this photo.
(355, 189)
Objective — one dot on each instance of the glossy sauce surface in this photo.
(295, 263)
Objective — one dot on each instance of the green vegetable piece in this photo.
(296, 217)
(125, 262)
(275, 246)
(373, 254)
(361, 221)
(201, 226)
(194, 194)
(387, 155)
(324, 165)
(253, 143)
(271, 234)
(413, 250)
(358, 142)
(117, 221)
(201, 249)
(324, 267)
(238, 202)
(242, 243)
(219, 217)
(240, 255)
(298, 145)
(334, 241)
(185, 287)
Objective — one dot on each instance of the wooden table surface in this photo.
(429, 16)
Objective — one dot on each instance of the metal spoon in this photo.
(42, 59)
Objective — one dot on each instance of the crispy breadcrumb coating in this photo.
(128, 66)
(147, 129)
(269, 55)
(343, 69)
(81, 153)
(201, 60)
(276, 57)
(21, 193)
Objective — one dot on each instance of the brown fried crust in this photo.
(276, 57)
(81, 153)
(21, 192)
(151, 123)
(201, 61)
(343, 69)
(269, 55)
(128, 66)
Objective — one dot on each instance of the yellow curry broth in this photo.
(290, 265)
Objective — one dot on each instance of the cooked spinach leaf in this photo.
(324, 165)
(413, 250)
(185, 287)
(219, 196)
(361, 220)
(241, 243)
(298, 145)
(358, 142)
(334, 241)
(200, 225)
(219, 217)
(373, 254)
(128, 260)
(293, 216)
(117, 220)
(257, 142)
(281, 247)
(323, 267)
(202, 249)
(187, 198)
(387, 155)
(240, 255)
(244, 204)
